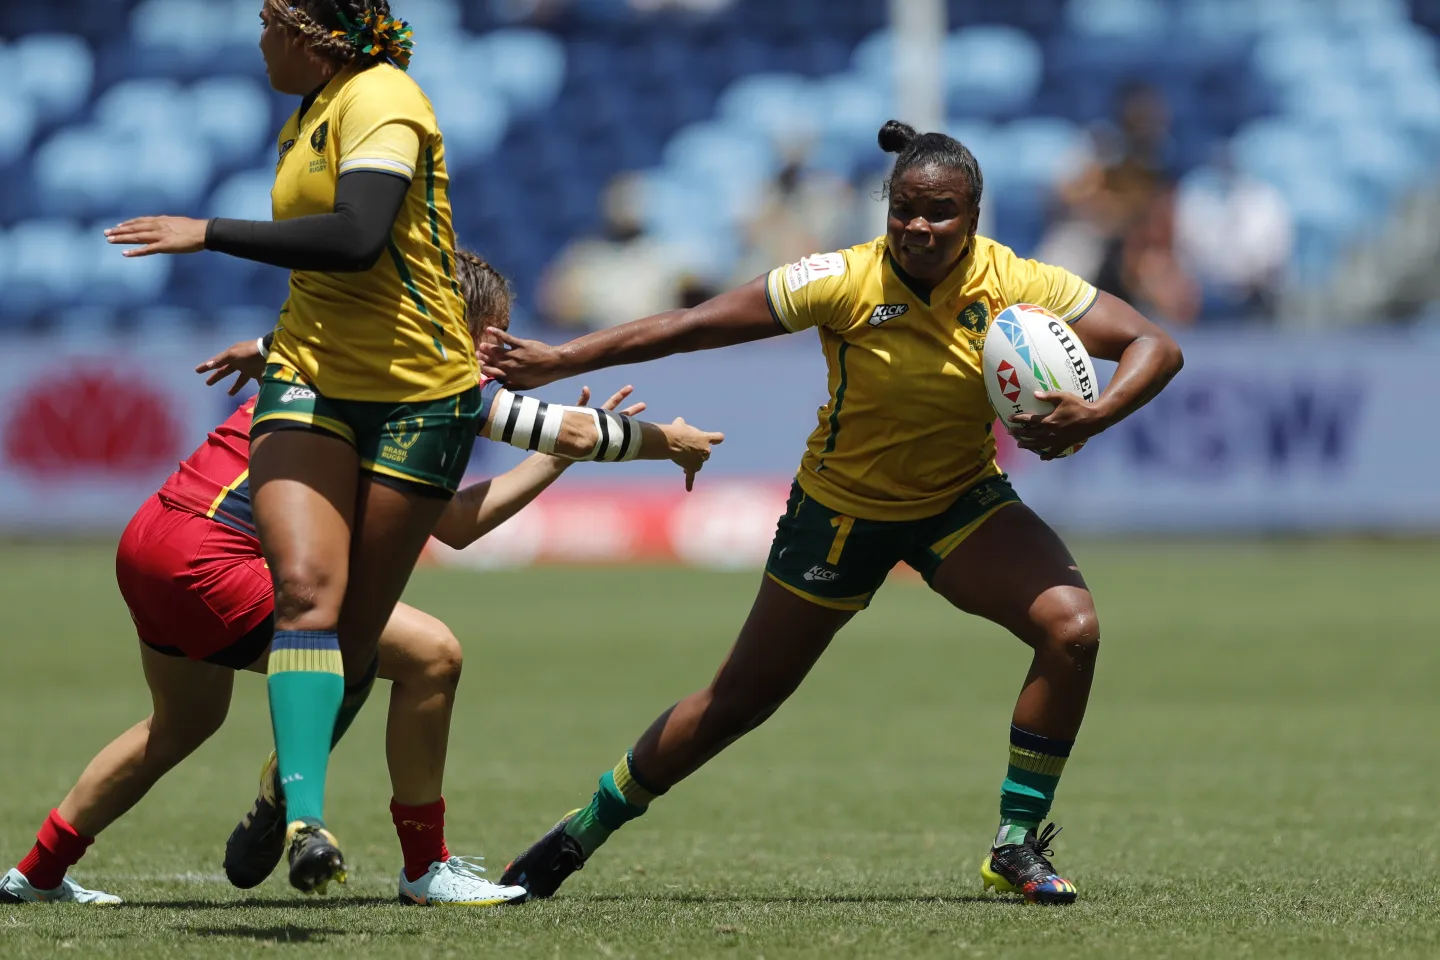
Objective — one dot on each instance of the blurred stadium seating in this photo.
(161, 106)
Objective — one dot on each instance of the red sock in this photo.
(58, 847)
(422, 835)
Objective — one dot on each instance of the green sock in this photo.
(1031, 779)
(307, 683)
(620, 799)
(353, 700)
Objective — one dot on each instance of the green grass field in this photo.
(1255, 779)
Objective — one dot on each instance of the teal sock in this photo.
(354, 698)
(621, 798)
(307, 683)
(1031, 779)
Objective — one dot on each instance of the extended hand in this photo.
(635, 409)
(1073, 421)
(160, 235)
(519, 364)
(241, 358)
(690, 448)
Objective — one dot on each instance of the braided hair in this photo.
(345, 31)
(929, 150)
(487, 295)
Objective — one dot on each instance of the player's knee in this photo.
(1076, 637)
(173, 738)
(306, 598)
(444, 660)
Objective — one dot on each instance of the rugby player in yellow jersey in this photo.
(901, 468)
(367, 411)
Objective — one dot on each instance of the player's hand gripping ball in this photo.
(1040, 381)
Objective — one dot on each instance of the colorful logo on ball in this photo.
(1009, 381)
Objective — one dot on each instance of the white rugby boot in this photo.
(14, 888)
(457, 883)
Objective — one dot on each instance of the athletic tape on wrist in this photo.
(532, 424)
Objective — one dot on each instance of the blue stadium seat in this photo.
(1043, 148)
(244, 196)
(780, 106)
(233, 114)
(526, 66)
(81, 171)
(45, 270)
(992, 71)
(54, 72)
(472, 120)
(17, 126)
(137, 107)
(1134, 20)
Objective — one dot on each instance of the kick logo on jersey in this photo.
(297, 393)
(823, 574)
(887, 311)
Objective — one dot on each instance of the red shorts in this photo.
(195, 587)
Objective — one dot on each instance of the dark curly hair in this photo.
(321, 23)
(487, 295)
(929, 150)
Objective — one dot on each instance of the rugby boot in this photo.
(549, 861)
(1025, 868)
(258, 841)
(14, 888)
(315, 857)
(456, 882)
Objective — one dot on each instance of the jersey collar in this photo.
(923, 291)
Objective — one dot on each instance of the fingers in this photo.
(618, 397)
(504, 337)
(690, 479)
(715, 438)
(585, 398)
(634, 410)
(216, 377)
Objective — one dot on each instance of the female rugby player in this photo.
(900, 468)
(192, 574)
(366, 412)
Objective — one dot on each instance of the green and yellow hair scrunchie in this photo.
(379, 38)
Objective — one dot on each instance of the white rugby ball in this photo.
(1028, 348)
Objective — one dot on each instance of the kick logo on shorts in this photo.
(297, 393)
(822, 574)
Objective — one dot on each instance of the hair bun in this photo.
(896, 136)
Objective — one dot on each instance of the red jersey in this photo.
(214, 481)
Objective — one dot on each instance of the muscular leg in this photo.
(190, 702)
(782, 638)
(1014, 571)
(303, 488)
(391, 529)
(779, 643)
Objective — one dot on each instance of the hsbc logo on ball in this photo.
(79, 424)
(1009, 381)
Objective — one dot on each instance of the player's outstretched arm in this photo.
(481, 507)
(736, 316)
(1149, 359)
(588, 433)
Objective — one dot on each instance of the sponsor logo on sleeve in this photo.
(812, 268)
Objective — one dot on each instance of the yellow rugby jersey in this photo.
(395, 332)
(907, 427)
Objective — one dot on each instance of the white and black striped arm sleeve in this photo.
(535, 425)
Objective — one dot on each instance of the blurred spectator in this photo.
(803, 212)
(1115, 224)
(1236, 233)
(619, 276)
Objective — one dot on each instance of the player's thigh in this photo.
(392, 524)
(191, 698)
(415, 644)
(1015, 571)
(780, 641)
(303, 489)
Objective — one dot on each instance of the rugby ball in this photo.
(1028, 348)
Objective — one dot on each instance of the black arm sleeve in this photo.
(347, 241)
